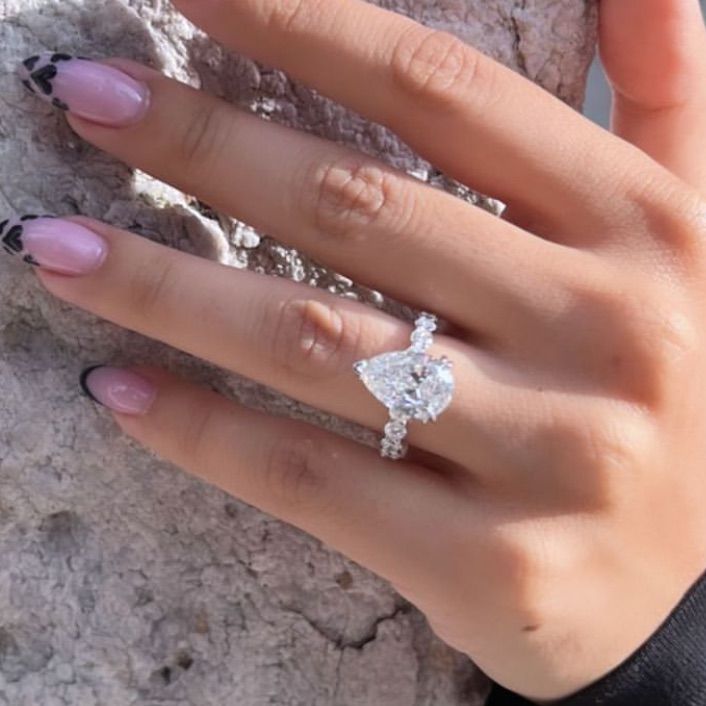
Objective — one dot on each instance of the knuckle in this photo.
(592, 452)
(664, 329)
(658, 339)
(670, 218)
(531, 558)
(597, 454)
(310, 338)
(437, 66)
(637, 334)
(611, 445)
(295, 473)
(541, 560)
(524, 577)
(349, 196)
(150, 285)
(684, 229)
(204, 134)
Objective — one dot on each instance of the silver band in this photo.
(410, 383)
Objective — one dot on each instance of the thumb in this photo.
(654, 52)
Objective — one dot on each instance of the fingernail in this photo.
(118, 389)
(58, 245)
(86, 88)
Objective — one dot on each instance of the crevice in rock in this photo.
(520, 58)
(340, 642)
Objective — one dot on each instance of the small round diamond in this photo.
(427, 322)
(389, 448)
(395, 430)
(392, 449)
(421, 339)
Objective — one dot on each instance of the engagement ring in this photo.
(410, 383)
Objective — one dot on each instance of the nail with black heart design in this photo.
(88, 89)
(41, 70)
(54, 244)
(11, 237)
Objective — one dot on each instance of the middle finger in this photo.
(354, 213)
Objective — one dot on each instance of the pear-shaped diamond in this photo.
(409, 383)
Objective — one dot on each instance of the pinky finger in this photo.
(342, 492)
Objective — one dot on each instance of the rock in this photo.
(124, 580)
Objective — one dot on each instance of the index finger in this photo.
(477, 120)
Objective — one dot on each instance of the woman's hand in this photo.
(553, 516)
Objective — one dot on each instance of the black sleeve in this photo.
(667, 670)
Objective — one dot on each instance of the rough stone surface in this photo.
(123, 580)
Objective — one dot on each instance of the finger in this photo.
(361, 217)
(338, 490)
(470, 116)
(304, 341)
(300, 340)
(654, 52)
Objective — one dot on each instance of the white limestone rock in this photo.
(123, 580)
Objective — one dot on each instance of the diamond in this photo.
(388, 446)
(409, 383)
(426, 322)
(421, 339)
(392, 449)
(395, 430)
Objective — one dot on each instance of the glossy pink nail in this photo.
(118, 389)
(55, 244)
(86, 88)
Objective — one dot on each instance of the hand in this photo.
(553, 516)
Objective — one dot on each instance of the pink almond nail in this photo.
(88, 89)
(55, 244)
(118, 389)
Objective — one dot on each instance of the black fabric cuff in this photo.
(667, 670)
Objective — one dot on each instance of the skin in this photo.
(560, 494)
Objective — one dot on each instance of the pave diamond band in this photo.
(410, 383)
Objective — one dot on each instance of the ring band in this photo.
(410, 383)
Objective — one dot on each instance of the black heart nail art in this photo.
(43, 77)
(11, 232)
(39, 72)
(12, 240)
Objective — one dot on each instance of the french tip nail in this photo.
(118, 389)
(84, 385)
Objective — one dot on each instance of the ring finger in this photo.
(298, 339)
